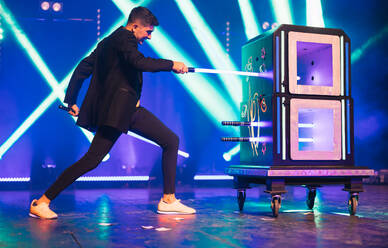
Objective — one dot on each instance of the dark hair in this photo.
(144, 15)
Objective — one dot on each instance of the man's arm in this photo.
(136, 59)
(83, 70)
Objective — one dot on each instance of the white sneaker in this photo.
(41, 211)
(174, 208)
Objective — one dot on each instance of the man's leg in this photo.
(149, 126)
(100, 146)
(102, 143)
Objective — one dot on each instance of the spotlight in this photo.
(274, 25)
(57, 6)
(265, 25)
(45, 5)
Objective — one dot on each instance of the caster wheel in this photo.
(241, 195)
(353, 203)
(275, 205)
(311, 198)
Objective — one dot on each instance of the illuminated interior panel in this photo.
(315, 129)
(314, 64)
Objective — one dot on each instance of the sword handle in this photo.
(67, 109)
(236, 123)
(235, 139)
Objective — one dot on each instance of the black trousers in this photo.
(143, 123)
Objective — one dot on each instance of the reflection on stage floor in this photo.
(127, 218)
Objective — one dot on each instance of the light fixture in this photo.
(212, 177)
(112, 178)
(265, 25)
(57, 6)
(45, 5)
(14, 179)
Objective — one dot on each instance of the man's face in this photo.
(142, 32)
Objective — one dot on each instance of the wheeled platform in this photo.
(277, 177)
(296, 118)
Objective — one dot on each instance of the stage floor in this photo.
(114, 218)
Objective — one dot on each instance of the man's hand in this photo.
(138, 104)
(179, 67)
(75, 111)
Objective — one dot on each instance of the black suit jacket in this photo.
(116, 66)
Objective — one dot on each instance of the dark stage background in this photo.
(63, 39)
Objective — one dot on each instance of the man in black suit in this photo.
(112, 106)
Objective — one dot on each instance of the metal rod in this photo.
(236, 123)
(247, 123)
(244, 139)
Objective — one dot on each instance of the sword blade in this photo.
(217, 71)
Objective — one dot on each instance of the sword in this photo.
(240, 73)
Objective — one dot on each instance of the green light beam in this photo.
(228, 155)
(30, 50)
(314, 15)
(281, 10)
(359, 52)
(249, 19)
(213, 49)
(58, 93)
(26, 124)
(202, 89)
